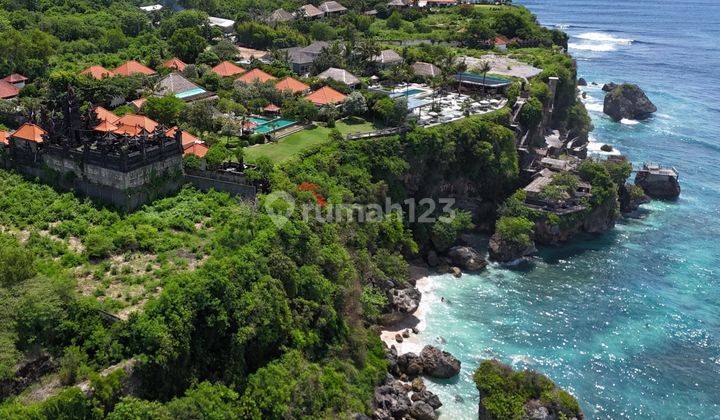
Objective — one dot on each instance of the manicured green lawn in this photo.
(303, 140)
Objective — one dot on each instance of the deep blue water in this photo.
(629, 321)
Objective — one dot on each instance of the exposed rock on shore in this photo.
(628, 101)
(466, 258)
(600, 219)
(438, 364)
(503, 251)
(403, 302)
(582, 82)
(608, 87)
(631, 197)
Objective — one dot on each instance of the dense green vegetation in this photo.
(226, 314)
(504, 393)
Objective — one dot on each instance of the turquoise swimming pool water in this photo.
(490, 81)
(409, 92)
(266, 126)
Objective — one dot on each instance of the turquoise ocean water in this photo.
(628, 321)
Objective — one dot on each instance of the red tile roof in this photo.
(197, 149)
(133, 125)
(227, 69)
(138, 103)
(501, 40)
(186, 138)
(272, 108)
(8, 90)
(105, 115)
(15, 78)
(326, 96)
(293, 85)
(255, 75)
(106, 127)
(29, 132)
(175, 63)
(132, 67)
(4, 137)
(97, 72)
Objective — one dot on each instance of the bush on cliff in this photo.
(515, 230)
(504, 393)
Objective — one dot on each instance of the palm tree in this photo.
(484, 68)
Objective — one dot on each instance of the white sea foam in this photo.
(594, 106)
(627, 121)
(599, 42)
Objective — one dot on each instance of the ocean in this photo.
(629, 321)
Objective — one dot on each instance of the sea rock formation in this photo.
(628, 101)
(658, 185)
(631, 197)
(438, 364)
(601, 219)
(467, 258)
(582, 82)
(505, 252)
(403, 302)
(391, 400)
(608, 87)
(421, 410)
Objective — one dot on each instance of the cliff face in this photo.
(598, 220)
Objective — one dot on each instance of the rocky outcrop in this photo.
(438, 364)
(421, 410)
(582, 82)
(390, 400)
(608, 87)
(628, 101)
(403, 303)
(658, 186)
(600, 219)
(466, 258)
(631, 197)
(505, 252)
(27, 373)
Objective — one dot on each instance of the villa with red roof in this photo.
(97, 72)
(292, 85)
(17, 80)
(255, 75)
(28, 137)
(4, 137)
(326, 96)
(175, 64)
(131, 68)
(8, 90)
(227, 69)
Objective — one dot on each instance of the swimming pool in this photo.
(265, 125)
(478, 79)
(409, 92)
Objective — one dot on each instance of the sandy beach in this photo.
(415, 342)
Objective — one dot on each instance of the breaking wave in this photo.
(599, 42)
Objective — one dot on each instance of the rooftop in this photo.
(292, 85)
(105, 115)
(197, 149)
(227, 69)
(175, 63)
(503, 65)
(326, 96)
(97, 72)
(132, 67)
(425, 69)
(339, 75)
(280, 15)
(221, 22)
(4, 137)
(388, 56)
(332, 7)
(15, 78)
(255, 75)
(8, 90)
(29, 132)
(310, 11)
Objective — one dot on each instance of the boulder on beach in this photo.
(421, 410)
(582, 82)
(628, 101)
(467, 258)
(403, 303)
(438, 364)
(505, 251)
(391, 401)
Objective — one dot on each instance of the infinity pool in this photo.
(265, 125)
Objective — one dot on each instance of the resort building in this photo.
(177, 85)
(387, 58)
(28, 138)
(301, 58)
(227, 69)
(280, 16)
(132, 68)
(309, 11)
(423, 69)
(17, 80)
(332, 7)
(398, 4)
(255, 76)
(326, 96)
(4, 137)
(340, 75)
(8, 90)
(247, 55)
(290, 84)
(500, 42)
(97, 72)
(174, 64)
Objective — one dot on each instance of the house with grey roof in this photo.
(309, 11)
(332, 7)
(301, 58)
(387, 58)
(339, 75)
(177, 85)
(280, 16)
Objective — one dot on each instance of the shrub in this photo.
(515, 230)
